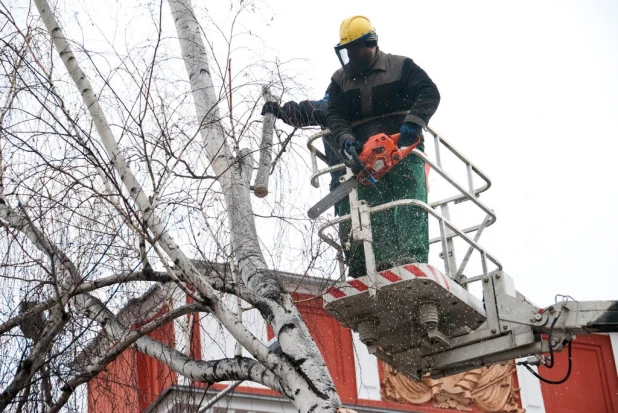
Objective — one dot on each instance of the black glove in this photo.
(272, 107)
(409, 134)
(349, 153)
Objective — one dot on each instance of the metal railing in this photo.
(449, 231)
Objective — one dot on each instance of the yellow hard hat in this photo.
(354, 28)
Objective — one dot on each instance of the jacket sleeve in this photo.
(338, 121)
(305, 113)
(424, 94)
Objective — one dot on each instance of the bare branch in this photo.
(207, 372)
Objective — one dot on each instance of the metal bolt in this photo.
(368, 332)
(486, 279)
(428, 315)
(532, 319)
(505, 327)
(538, 317)
(553, 343)
(497, 276)
(493, 331)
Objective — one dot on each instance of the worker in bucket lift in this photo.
(309, 113)
(372, 83)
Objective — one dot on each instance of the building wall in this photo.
(134, 381)
(592, 386)
(115, 390)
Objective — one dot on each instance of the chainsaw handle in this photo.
(356, 166)
(405, 151)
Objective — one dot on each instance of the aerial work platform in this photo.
(422, 319)
(416, 287)
(419, 321)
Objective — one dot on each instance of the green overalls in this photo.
(401, 234)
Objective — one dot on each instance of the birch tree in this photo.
(104, 196)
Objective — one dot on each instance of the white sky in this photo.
(529, 94)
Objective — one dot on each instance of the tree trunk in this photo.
(313, 391)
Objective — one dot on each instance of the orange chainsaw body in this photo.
(379, 155)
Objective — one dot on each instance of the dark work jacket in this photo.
(392, 84)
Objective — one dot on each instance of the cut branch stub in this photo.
(261, 180)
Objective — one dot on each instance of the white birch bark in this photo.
(263, 174)
(203, 371)
(311, 389)
(251, 264)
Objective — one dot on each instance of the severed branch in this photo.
(261, 180)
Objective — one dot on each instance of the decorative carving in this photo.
(490, 389)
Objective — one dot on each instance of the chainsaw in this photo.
(379, 155)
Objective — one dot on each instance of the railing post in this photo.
(448, 250)
(361, 231)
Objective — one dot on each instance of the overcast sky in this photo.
(529, 94)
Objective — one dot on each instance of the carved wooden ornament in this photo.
(490, 389)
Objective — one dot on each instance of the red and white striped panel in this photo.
(397, 274)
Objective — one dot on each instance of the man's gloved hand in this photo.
(409, 134)
(272, 107)
(349, 153)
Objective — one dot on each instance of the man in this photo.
(309, 113)
(373, 84)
